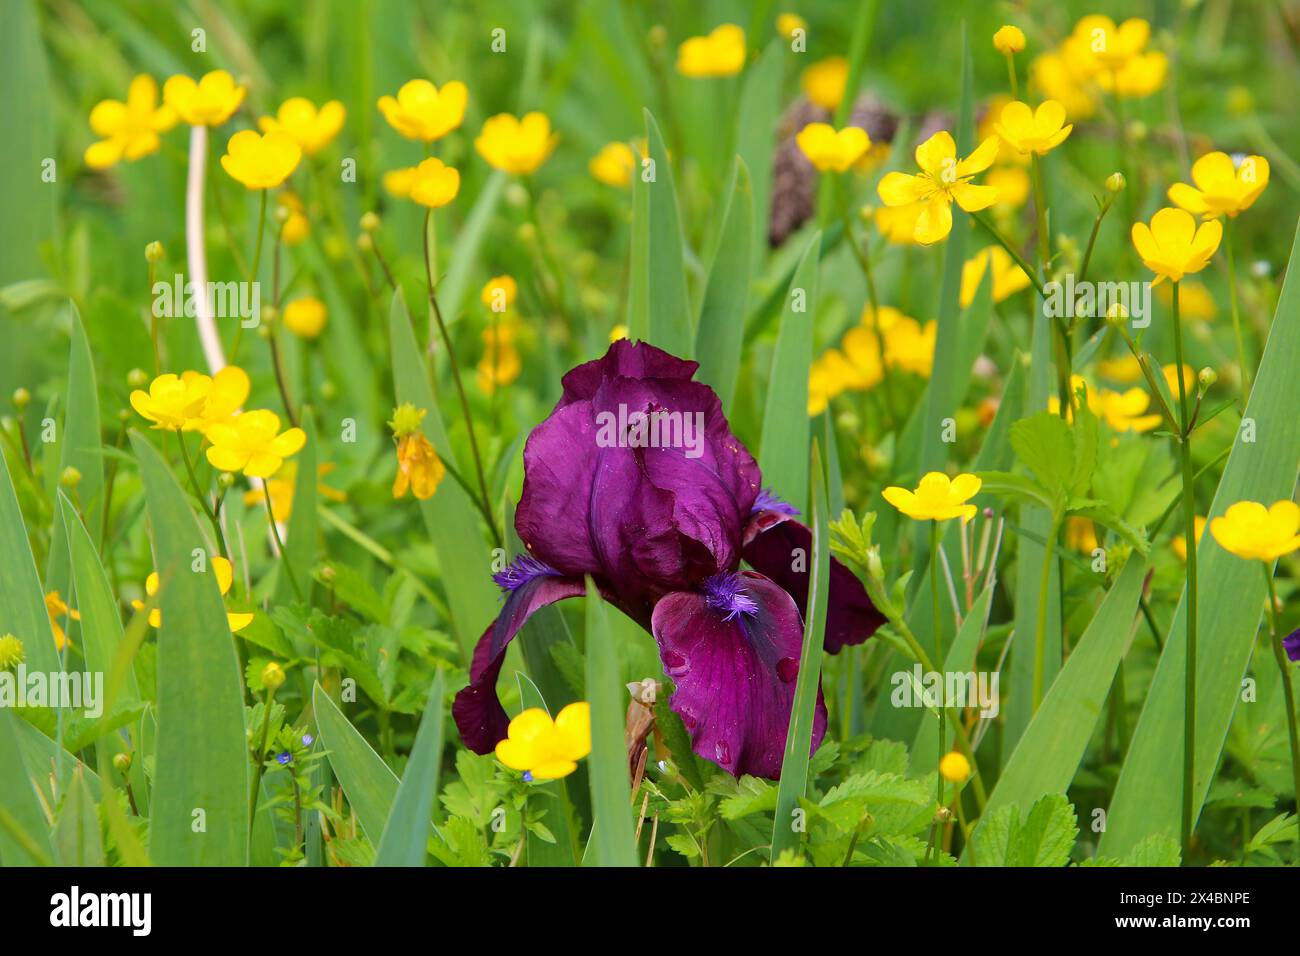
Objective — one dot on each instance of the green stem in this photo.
(460, 388)
(1236, 314)
(863, 258)
(252, 275)
(1011, 76)
(1288, 692)
(198, 493)
(279, 544)
(1189, 529)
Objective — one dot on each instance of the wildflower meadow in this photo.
(649, 434)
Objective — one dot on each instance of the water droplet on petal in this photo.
(787, 668)
(723, 752)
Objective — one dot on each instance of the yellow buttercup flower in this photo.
(225, 573)
(1112, 46)
(720, 53)
(1012, 184)
(516, 145)
(209, 102)
(398, 182)
(297, 227)
(261, 161)
(253, 443)
(1249, 530)
(1141, 76)
(499, 293)
(787, 23)
(1008, 40)
(824, 82)
(1222, 187)
(305, 317)
(1080, 535)
(418, 466)
(435, 183)
(1060, 75)
(614, 165)
(421, 111)
(1122, 411)
(1124, 368)
(312, 129)
(500, 364)
(831, 150)
(56, 608)
(281, 489)
(953, 766)
(129, 130)
(910, 346)
(898, 223)
(1173, 246)
(936, 498)
(1008, 277)
(1038, 131)
(943, 180)
(861, 350)
(192, 401)
(1179, 541)
(546, 749)
(834, 372)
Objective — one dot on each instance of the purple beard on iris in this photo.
(662, 532)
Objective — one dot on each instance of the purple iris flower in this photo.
(636, 480)
(1291, 644)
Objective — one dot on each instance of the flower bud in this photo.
(137, 378)
(875, 567)
(122, 763)
(1116, 182)
(153, 252)
(21, 398)
(526, 232)
(327, 573)
(658, 35)
(12, 652)
(1240, 101)
(954, 767)
(370, 222)
(1009, 40)
(272, 676)
(1116, 315)
(516, 196)
(226, 479)
(1206, 378)
(1136, 131)
(70, 477)
(365, 242)
(282, 214)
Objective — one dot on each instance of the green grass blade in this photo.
(1148, 796)
(300, 544)
(467, 252)
(760, 104)
(20, 586)
(201, 751)
(798, 740)
(786, 428)
(611, 791)
(1052, 746)
(668, 312)
(722, 316)
(18, 797)
(27, 126)
(101, 625)
(370, 786)
(449, 515)
(81, 439)
(406, 833)
(77, 839)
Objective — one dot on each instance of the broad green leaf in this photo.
(449, 515)
(407, 831)
(20, 586)
(18, 796)
(784, 443)
(798, 739)
(1015, 487)
(660, 248)
(370, 786)
(611, 794)
(722, 316)
(760, 103)
(1042, 838)
(1052, 746)
(201, 751)
(27, 127)
(1148, 796)
(1044, 445)
(101, 626)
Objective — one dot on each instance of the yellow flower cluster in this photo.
(906, 345)
(1123, 411)
(419, 468)
(1100, 57)
(225, 574)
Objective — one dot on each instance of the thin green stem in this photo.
(1236, 314)
(1288, 692)
(198, 493)
(1011, 250)
(252, 275)
(485, 498)
(1011, 76)
(279, 544)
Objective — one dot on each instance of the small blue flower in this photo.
(528, 776)
(308, 740)
(283, 758)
